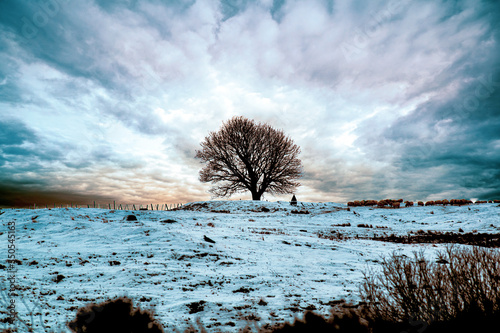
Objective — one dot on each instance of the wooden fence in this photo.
(113, 206)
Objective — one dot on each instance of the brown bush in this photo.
(460, 202)
(347, 322)
(463, 284)
(388, 202)
(420, 203)
(116, 315)
(429, 203)
(408, 203)
(357, 203)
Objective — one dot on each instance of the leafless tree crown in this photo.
(245, 156)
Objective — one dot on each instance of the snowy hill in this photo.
(225, 262)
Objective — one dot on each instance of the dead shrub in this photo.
(116, 315)
(348, 322)
(396, 204)
(463, 285)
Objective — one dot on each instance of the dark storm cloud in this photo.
(21, 151)
(24, 194)
(459, 137)
(14, 132)
(18, 144)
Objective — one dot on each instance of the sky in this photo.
(109, 100)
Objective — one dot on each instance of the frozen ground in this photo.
(266, 265)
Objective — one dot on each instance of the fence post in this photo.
(94, 204)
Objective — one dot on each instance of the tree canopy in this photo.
(247, 156)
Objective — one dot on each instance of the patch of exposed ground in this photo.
(435, 237)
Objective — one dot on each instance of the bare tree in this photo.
(245, 156)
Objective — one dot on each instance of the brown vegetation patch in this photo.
(117, 315)
(333, 236)
(342, 225)
(299, 211)
(267, 231)
(478, 239)
(223, 211)
(196, 307)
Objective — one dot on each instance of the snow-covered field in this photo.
(266, 265)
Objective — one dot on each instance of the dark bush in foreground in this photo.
(117, 315)
(458, 292)
(349, 322)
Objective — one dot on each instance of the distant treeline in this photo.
(396, 203)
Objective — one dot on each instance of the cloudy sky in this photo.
(109, 100)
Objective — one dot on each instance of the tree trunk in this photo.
(255, 195)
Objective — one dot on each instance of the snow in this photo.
(273, 256)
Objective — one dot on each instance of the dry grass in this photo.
(462, 283)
